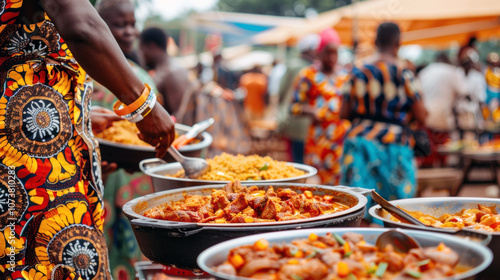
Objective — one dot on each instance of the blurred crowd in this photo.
(356, 123)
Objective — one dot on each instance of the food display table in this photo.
(471, 159)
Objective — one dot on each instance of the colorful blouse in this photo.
(51, 208)
(493, 94)
(324, 141)
(380, 100)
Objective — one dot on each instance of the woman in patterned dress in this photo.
(383, 100)
(317, 94)
(50, 162)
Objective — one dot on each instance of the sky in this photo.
(169, 9)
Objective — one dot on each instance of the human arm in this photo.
(417, 107)
(94, 47)
(174, 88)
(300, 105)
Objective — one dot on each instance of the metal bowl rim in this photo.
(207, 141)
(310, 171)
(373, 211)
(362, 201)
(303, 233)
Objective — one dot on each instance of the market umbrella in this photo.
(425, 22)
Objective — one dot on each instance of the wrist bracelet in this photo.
(143, 111)
(122, 109)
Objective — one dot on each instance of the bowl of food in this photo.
(226, 168)
(120, 144)
(173, 227)
(342, 253)
(446, 213)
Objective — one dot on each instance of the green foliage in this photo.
(279, 8)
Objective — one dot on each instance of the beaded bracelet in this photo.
(139, 109)
(122, 109)
(143, 111)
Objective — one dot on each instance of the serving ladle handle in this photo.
(481, 237)
(395, 211)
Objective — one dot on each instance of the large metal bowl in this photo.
(471, 255)
(162, 173)
(437, 206)
(129, 156)
(178, 244)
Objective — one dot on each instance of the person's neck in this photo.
(163, 61)
(327, 70)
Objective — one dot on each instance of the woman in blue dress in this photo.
(381, 102)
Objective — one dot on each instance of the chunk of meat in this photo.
(312, 269)
(232, 196)
(270, 192)
(258, 203)
(446, 255)
(183, 216)
(236, 206)
(353, 237)
(219, 199)
(395, 261)
(270, 210)
(226, 268)
(312, 208)
(252, 266)
(285, 194)
(330, 257)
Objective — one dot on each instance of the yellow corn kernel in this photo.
(342, 269)
(308, 194)
(236, 260)
(261, 245)
(313, 237)
(293, 262)
(248, 220)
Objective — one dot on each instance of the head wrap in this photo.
(308, 43)
(328, 36)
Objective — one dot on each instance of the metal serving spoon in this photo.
(401, 242)
(404, 217)
(193, 167)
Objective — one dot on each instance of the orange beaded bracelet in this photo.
(122, 109)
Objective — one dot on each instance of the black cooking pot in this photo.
(178, 244)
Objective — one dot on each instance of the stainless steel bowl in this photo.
(129, 156)
(179, 243)
(160, 173)
(437, 206)
(471, 255)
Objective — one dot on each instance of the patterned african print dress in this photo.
(323, 148)
(492, 110)
(51, 210)
(378, 150)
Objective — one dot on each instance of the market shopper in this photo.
(442, 87)
(318, 96)
(255, 85)
(382, 101)
(50, 161)
(294, 128)
(170, 78)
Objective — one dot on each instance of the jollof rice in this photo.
(226, 167)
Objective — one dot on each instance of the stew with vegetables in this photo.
(480, 218)
(239, 204)
(333, 257)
